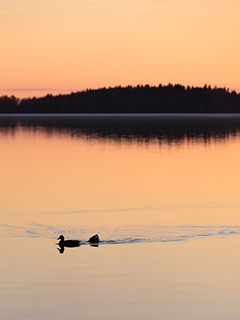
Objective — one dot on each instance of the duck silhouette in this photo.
(76, 243)
(68, 243)
(94, 239)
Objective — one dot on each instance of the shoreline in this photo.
(119, 114)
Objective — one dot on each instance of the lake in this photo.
(162, 192)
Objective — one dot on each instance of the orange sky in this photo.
(68, 45)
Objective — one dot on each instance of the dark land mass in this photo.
(140, 99)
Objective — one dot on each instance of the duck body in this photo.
(68, 243)
(94, 239)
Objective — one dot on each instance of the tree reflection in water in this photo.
(139, 128)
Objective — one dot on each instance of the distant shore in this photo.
(129, 115)
(170, 99)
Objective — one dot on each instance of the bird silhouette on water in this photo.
(68, 243)
(94, 240)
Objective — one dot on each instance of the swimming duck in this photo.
(68, 243)
(94, 239)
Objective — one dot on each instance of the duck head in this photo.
(61, 238)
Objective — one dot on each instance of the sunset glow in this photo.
(77, 178)
(63, 46)
(162, 193)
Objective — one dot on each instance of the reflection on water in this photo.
(58, 179)
(67, 243)
(61, 249)
(148, 186)
(164, 128)
(74, 243)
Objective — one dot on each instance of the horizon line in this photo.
(52, 91)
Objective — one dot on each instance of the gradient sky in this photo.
(68, 45)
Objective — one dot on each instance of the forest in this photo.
(139, 99)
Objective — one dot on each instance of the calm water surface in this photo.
(163, 194)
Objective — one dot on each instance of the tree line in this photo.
(140, 99)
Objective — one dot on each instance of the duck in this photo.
(68, 243)
(94, 239)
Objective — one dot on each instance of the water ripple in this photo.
(130, 234)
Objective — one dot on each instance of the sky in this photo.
(60, 46)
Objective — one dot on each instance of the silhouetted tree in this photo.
(140, 99)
